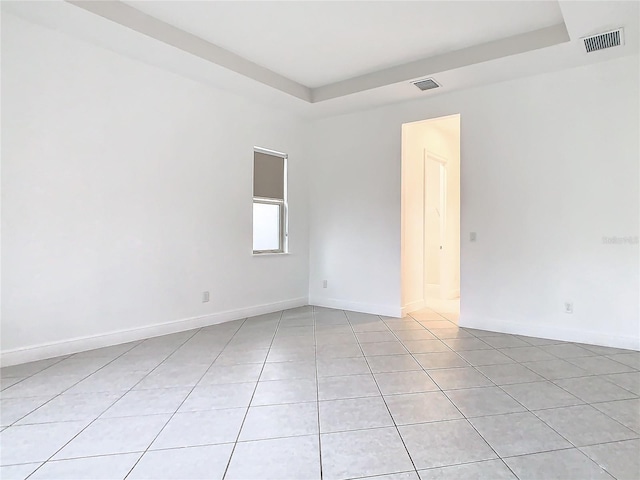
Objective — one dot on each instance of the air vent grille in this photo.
(426, 84)
(601, 41)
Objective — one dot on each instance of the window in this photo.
(269, 201)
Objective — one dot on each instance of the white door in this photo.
(435, 204)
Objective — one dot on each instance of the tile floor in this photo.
(317, 393)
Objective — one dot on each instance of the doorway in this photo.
(431, 215)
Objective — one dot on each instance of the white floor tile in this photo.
(354, 414)
(107, 467)
(114, 435)
(421, 407)
(445, 443)
(13, 409)
(201, 428)
(583, 425)
(277, 459)
(35, 443)
(518, 434)
(489, 470)
(620, 459)
(274, 421)
(566, 464)
(187, 405)
(363, 453)
(285, 391)
(41, 385)
(147, 402)
(210, 397)
(192, 463)
(72, 407)
(17, 472)
(350, 386)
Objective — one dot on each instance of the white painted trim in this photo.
(81, 344)
(436, 157)
(431, 66)
(132, 18)
(551, 332)
(386, 310)
(412, 307)
(273, 153)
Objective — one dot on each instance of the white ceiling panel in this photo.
(164, 44)
(318, 43)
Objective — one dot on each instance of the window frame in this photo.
(283, 204)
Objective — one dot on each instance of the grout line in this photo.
(458, 409)
(378, 476)
(62, 359)
(315, 347)
(113, 403)
(585, 403)
(187, 396)
(382, 396)
(357, 398)
(360, 345)
(514, 362)
(527, 410)
(246, 413)
(66, 390)
(330, 433)
(190, 392)
(590, 460)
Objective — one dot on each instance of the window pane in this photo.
(266, 226)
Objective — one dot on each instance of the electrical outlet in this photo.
(325, 284)
(472, 237)
(205, 297)
(568, 307)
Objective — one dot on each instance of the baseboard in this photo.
(412, 307)
(386, 310)
(81, 344)
(554, 333)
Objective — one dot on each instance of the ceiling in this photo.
(319, 43)
(330, 57)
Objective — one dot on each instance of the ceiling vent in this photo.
(426, 84)
(604, 40)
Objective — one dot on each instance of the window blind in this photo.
(268, 176)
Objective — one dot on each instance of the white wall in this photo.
(549, 165)
(126, 193)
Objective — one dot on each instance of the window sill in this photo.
(270, 254)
